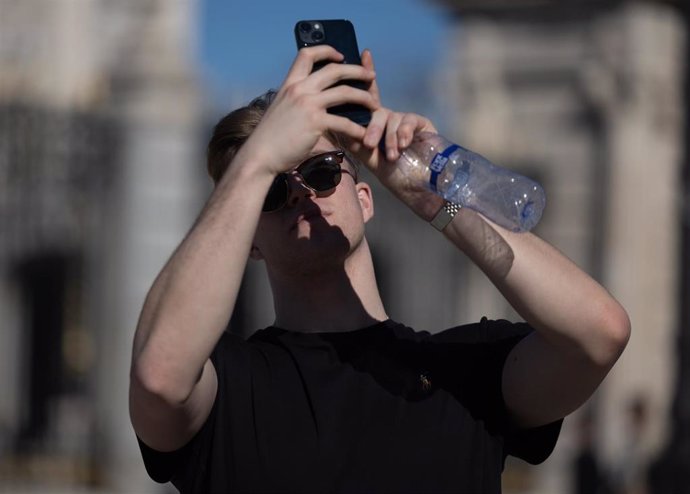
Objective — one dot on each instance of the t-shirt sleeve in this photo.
(477, 353)
(180, 466)
(161, 465)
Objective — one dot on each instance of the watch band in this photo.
(445, 215)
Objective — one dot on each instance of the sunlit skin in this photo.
(311, 223)
(314, 248)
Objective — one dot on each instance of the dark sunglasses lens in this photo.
(277, 194)
(322, 174)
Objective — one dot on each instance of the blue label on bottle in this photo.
(438, 164)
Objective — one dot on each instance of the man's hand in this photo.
(387, 135)
(298, 116)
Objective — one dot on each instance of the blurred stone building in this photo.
(99, 179)
(587, 96)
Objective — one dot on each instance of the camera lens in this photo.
(317, 36)
(305, 27)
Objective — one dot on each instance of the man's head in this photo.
(293, 237)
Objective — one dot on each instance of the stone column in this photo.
(589, 100)
(155, 199)
(643, 63)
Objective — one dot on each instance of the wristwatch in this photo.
(445, 215)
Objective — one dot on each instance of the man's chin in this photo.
(319, 253)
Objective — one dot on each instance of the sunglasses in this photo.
(319, 173)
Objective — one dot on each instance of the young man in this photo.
(336, 397)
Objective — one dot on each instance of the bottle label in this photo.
(438, 164)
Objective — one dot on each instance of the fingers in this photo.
(368, 63)
(334, 73)
(345, 94)
(376, 127)
(392, 146)
(382, 132)
(399, 133)
(303, 64)
(322, 86)
(409, 126)
(344, 126)
(394, 131)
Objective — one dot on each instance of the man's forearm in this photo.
(547, 289)
(581, 329)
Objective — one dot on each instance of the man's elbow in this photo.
(615, 331)
(158, 381)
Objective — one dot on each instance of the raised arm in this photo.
(172, 381)
(581, 329)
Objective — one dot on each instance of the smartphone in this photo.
(340, 34)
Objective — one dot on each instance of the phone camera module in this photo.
(310, 33)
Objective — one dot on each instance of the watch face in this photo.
(445, 215)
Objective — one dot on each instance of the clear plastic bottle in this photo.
(466, 178)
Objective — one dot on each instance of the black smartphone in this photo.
(340, 34)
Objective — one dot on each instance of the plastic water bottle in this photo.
(466, 178)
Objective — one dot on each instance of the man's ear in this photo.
(255, 253)
(366, 200)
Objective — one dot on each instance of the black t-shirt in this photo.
(381, 409)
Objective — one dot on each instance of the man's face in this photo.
(314, 229)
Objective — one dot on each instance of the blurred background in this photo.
(105, 109)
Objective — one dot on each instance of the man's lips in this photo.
(306, 215)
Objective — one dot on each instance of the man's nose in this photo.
(297, 189)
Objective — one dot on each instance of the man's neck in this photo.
(344, 298)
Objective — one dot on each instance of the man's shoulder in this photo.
(486, 331)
